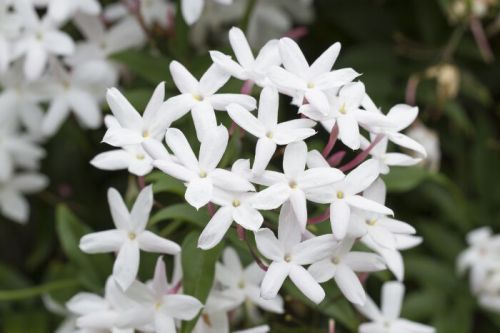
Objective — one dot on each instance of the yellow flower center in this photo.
(132, 235)
(269, 135)
(343, 109)
(198, 97)
(340, 195)
(371, 221)
(310, 85)
(288, 258)
(140, 157)
(202, 174)
(336, 260)
(293, 185)
(236, 203)
(145, 134)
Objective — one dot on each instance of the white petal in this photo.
(292, 57)
(322, 270)
(248, 217)
(216, 228)
(294, 159)
(361, 177)
(230, 181)
(126, 264)
(339, 218)
(204, 119)
(268, 107)
(213, 147)
(246, 120)
(191, 10)
(402, 116)
(313, 249)
(184, 81)
(182, 307)
(124, 112)
(318, 100)
(325, 62)
(56, 114)
(349, 131)
(112, 160)
(178, 143)
(349, 284)
(221, 101)
(272, 197)
(363, 261)
(273, 280)
(213, 79)
(240, 47)
(175, 170)
(103, 241)
(392, 299)
(306, 284)
(320, 176)
(365, 204)
(141, 209)
(199, 192)
(268, 245)
(119, 211)
(150, 242)
(264, 151)
(299, 205)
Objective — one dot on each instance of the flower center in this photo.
(288, 258)
(241, 284)
(311, 85)
(269, 135)
(236, 203)
(202, 174)
(132, 235)
(343, 109)
(145, 134)
(371, 221)
(293, 185)
(340, 195)
(158, 305)
(336, 260)
(39, 35)
(198, 97)
(140, 157)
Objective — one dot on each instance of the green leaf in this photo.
(94, 268)
(183, 212)
(152, 68)
(165, 183)
(17, 294)
(198, 271)
(405, 179)
(32, 322)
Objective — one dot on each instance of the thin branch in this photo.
(362, 155)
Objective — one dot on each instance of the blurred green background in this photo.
(392, 42)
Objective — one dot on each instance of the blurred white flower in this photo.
(129, 237)
(387, 319)
(62, 10)
(161, 12)
(192, 9)
(243, 284)
(155, 306)
(13, 204)
(10, 27)
(429, 139)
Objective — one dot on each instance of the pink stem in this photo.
(297, 33)
(334, 133)
(481, 39)
(175, 289)
(411, 91)
(241, 232)
(141, 181)
(211, 209)
(361, 156)
(320, 218)
(256, 257)
(246, 88)
(336, 158)
(331, 326)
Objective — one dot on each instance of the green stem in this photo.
(18, 294)
(248, 12)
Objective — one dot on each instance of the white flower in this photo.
(69, 92)
(430, 141)
(345, 110)
(159, 12)
(100, 43)
(62, 10)
(401, 116)
(481, 257)
(295, 184)
(200, 97)
(40, 39)
(20, 100)
(243, 284)
(13, 205)
(387, 319)
(344, 195)
(385, 160)
(10, 26)
(192, 9)
(248, 67)
(132, 158)
(134, 128)
(202, 174)
(214, 316)
(234, 206)
(313, 83)
(379, 227)
(95, 313)
(129, 237)
(341, 265)
(156, 306)
(16, 149)
(257, 329)
(289, 254)
(267, 129)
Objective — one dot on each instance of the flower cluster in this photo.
(43, 67)
(350, 195)
(481, 259)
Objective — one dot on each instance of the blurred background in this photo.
(440, 55)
